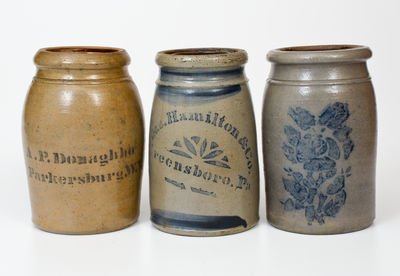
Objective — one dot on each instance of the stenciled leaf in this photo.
(298, 205)
(213, 154)
(336, 186)
(330, 173)
(342, 134)
(217, 163)
(319, 164)
(311, 194)
(298, 177)
(321, 201)
(289, 153)
(310, 213)
(297, 190)
(189, 146)
(340, 198)
(333, 206)
(293, 135)
(302, 117)
(334, 115)
(288, 205)
(333, 149)
(348, 148)
(203, 147)
(181, 153)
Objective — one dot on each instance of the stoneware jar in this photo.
(319, 139)
(202, 148)
(83, 141)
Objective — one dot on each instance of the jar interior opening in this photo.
(199, 52)
(83, 50)
(318, 48)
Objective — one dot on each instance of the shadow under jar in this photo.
(319, 139)
(203, 160)
(83, 141)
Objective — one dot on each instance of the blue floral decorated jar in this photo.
(319, 139)
(203, 160)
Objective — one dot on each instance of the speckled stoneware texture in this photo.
(83, 141)
(204, 177)
(319, 139)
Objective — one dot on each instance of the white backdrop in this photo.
(143, 28)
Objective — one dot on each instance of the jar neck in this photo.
(320, 72)
(81, 63)
(90, 75)
(201, 77)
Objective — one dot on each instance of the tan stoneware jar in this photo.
(83, 141)
(204, 177)
(319, 139)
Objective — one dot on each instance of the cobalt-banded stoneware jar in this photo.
(319, 139)
(202, 149)
(83, 141)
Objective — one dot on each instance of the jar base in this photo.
(205, 233)
(330, 231)
(86, 232)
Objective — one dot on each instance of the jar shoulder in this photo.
(280, 100)
(49, 97)
(53, 107)
(318, 92)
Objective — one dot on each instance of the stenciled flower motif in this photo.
(208, 152)
(315, 146)
(303, 118)
(334, 115)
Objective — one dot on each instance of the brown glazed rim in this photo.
(319, 54)
(202, 58)
(81, 57)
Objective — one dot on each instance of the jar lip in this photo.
(202, 58)
(81, 57)
(319, 54)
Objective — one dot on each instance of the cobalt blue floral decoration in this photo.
(319, 139)
(318, 189)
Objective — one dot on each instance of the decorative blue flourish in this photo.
(313, 148)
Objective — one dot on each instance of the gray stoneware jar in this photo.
(204, 178)
(319, 139)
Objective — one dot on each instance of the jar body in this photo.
(319, 146)
(203, 154)
(83, 143)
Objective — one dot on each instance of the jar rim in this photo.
(81, 57)
(319, 54)
(202, 58)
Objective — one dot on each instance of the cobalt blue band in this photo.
(204, 74)
(163, 90)
(195, 222)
